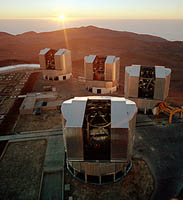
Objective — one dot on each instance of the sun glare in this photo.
(61, 17)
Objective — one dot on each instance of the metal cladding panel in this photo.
(58, 63)
(133, 70)
(68, 62)
(126, 90)
(132, 74)
(99, 169)
(159, 90)
(83, 166)
(60, 52)
(114, 73)
(74, 144)
(62, 62)
(106, 168)
(89, 59)
(119, 116)
(73, 111)
(160, 72)
(117, 60)
(88, 68)
(133, 86)
(110, 59)
(109, 72)
(119, 144)
(162, 82)
(168, 71)
(167, 86)
(93, 169)
(131, 109)
(42, 61)
(44, 51)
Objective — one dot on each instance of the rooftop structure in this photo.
(35, 102)
(101, 73)
(147, 85)
(20, 67)
(99, 141)
(55, 65)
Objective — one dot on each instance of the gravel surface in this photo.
(21, 170)
(47, 120)
(137, 185)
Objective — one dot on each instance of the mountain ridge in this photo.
(130, 47)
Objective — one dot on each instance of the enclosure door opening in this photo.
(56, 78)
(50, 59)
(99, 91)
(97, 130)
(146, 82)
(99, 68)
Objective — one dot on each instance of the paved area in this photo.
(52, 188)
(33, 135)
(55, 155)
(53, 179)
(161, 146)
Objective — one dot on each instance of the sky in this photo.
(162, 18)
(95, 9)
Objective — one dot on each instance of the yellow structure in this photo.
(163, 107)
(102, 73)
(55, 65)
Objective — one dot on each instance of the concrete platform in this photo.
(55, 155)
(53, 170)
(52, 186)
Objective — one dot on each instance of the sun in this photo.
(61, 17)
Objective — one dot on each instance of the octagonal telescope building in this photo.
(147, 85)
(55, 64)
(101, 73)
(98, 137)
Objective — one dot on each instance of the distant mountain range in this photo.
(130, 47)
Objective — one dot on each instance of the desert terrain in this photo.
(31, 146)
(130, 47)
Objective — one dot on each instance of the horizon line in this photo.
(85, 19)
